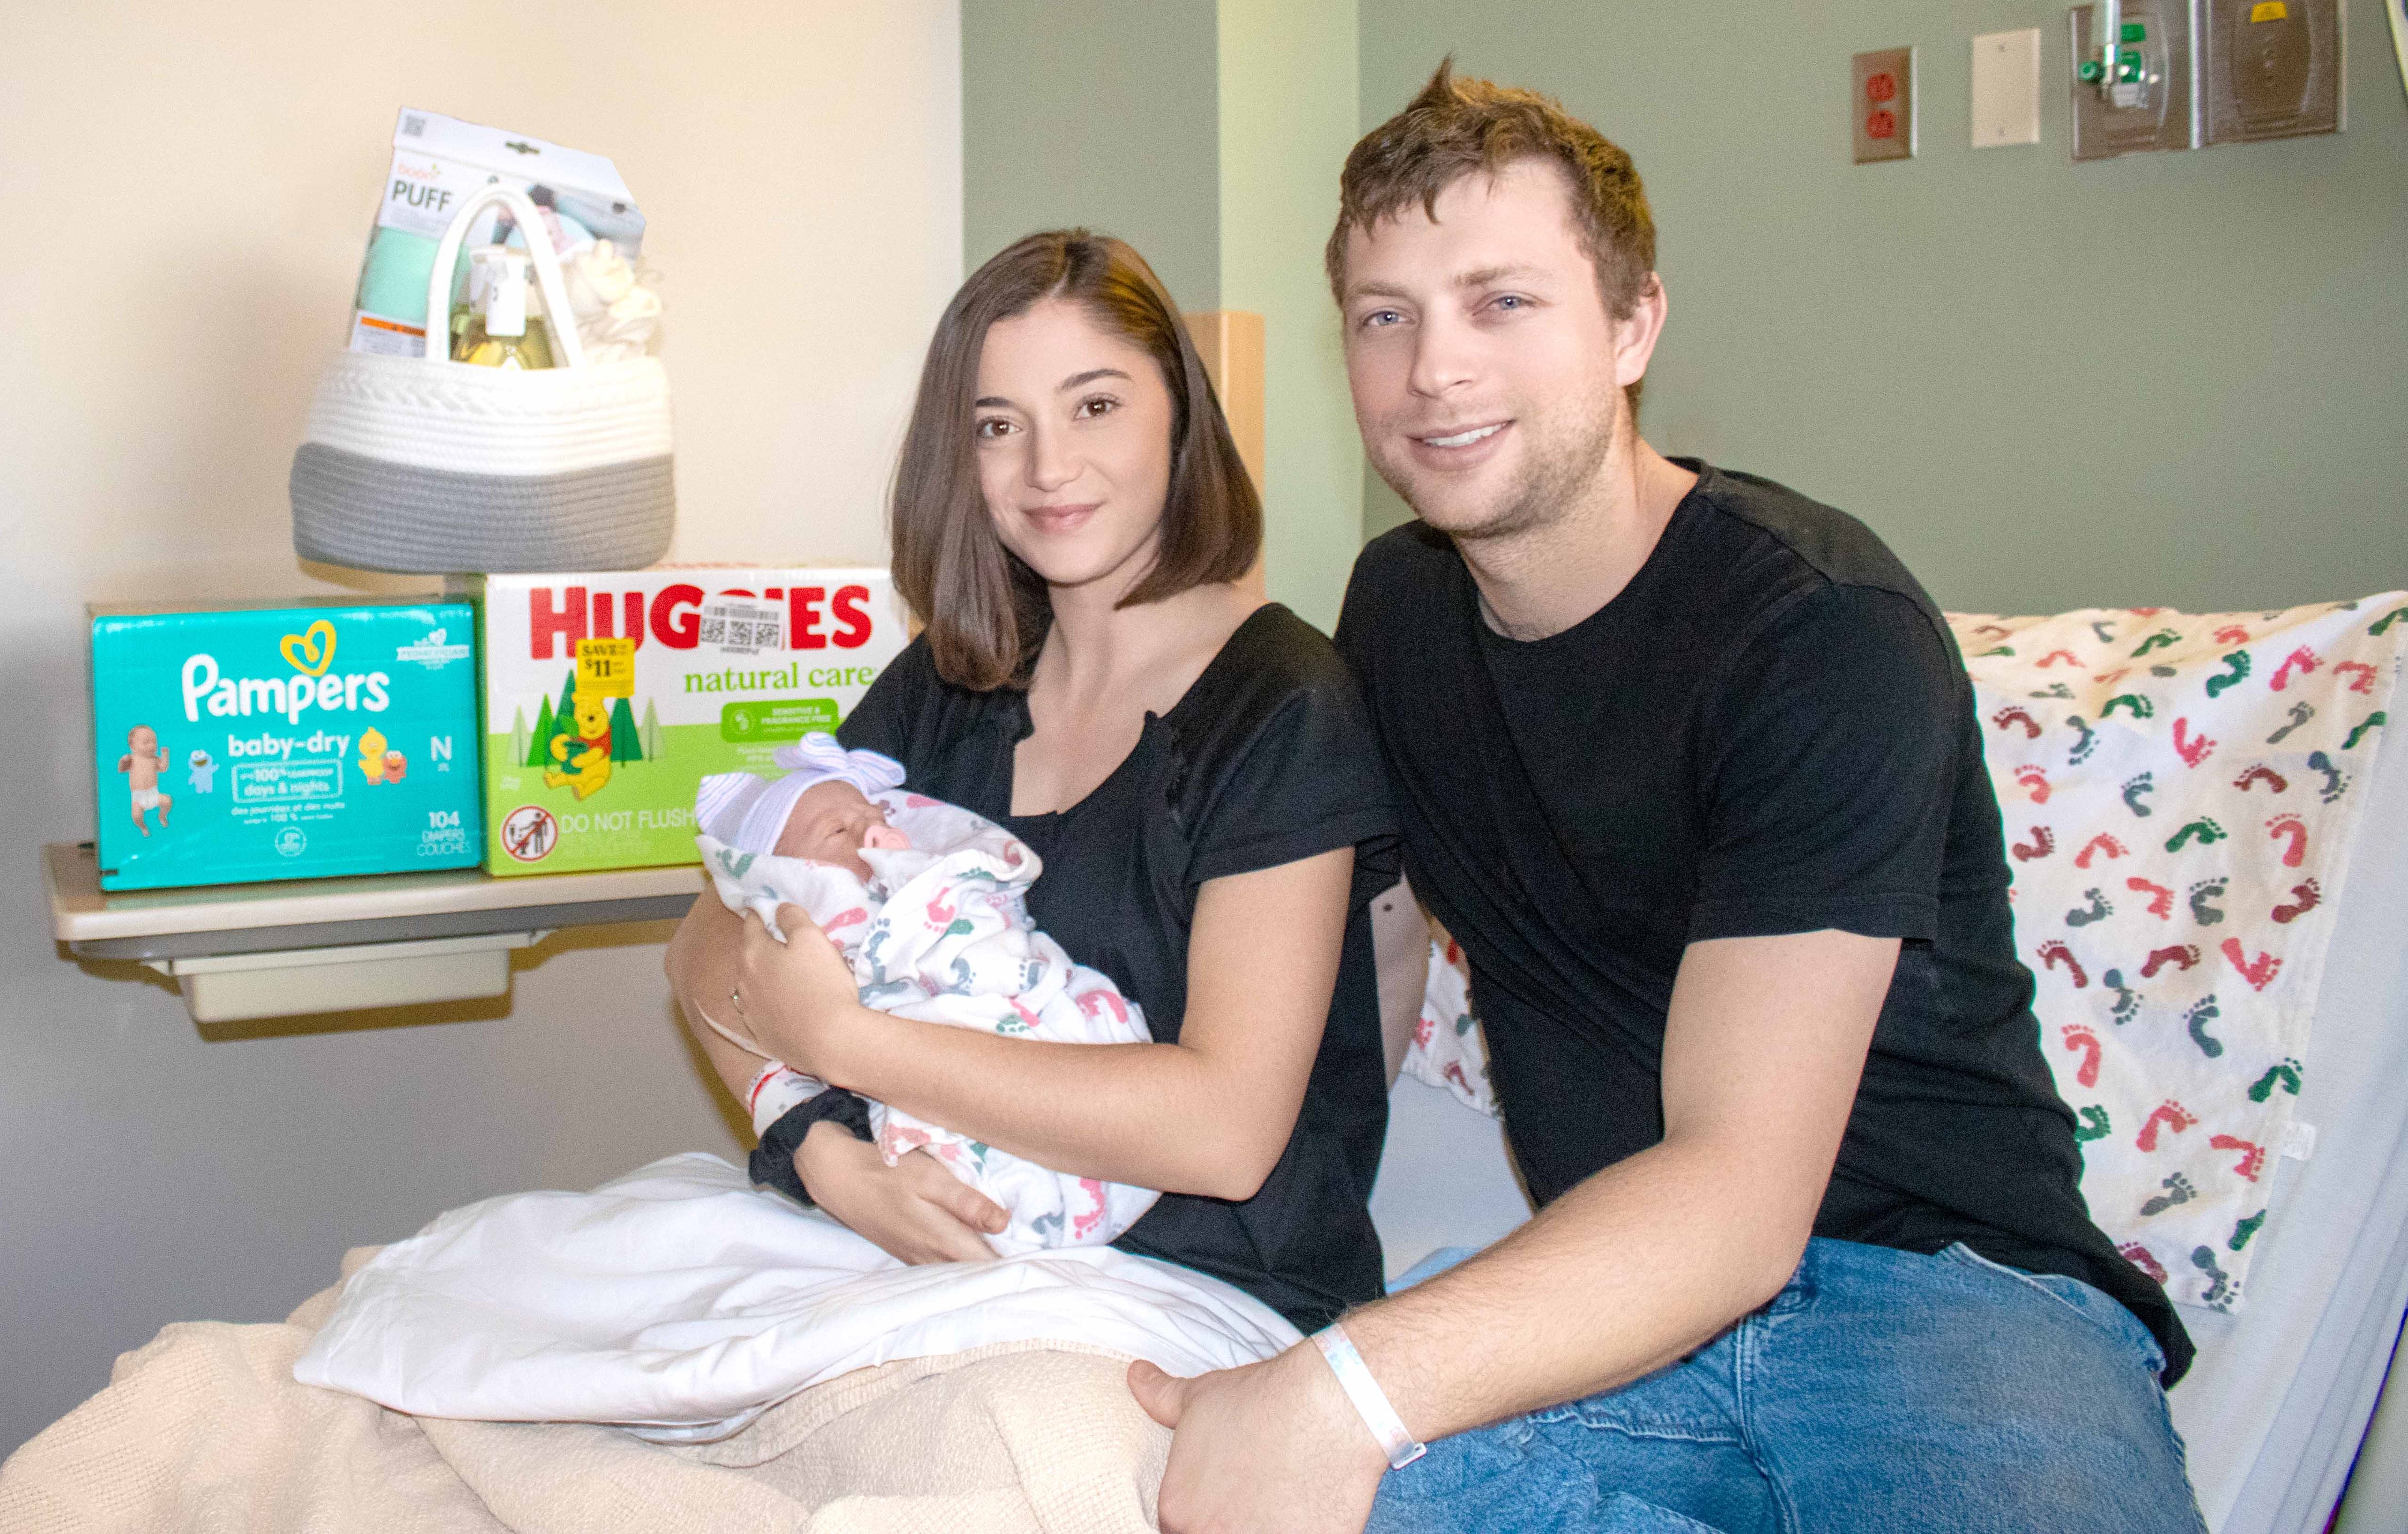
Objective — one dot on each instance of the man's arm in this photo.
(1641, 1262)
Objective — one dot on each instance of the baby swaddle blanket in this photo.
(950, 943)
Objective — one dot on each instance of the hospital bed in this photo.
(2276, 1406)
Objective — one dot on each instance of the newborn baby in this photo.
(928, 903)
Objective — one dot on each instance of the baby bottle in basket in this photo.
(495, 327)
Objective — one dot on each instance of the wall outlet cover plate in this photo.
(1882, 105)
(2006, 88)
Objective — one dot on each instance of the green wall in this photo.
(1103, 115)
(1207, 134)
(2178, 379)
(1288, 110)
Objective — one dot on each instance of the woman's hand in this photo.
(793, 999)
(915, 1209)
(703, 963)
(796, 998)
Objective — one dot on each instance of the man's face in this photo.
(1487, 375)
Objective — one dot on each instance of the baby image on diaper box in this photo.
(234, 743)
(610, 695)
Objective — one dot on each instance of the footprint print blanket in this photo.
(2180, 801)
(2179, 796)
(941, 933)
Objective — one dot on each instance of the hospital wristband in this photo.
(1370, 1401)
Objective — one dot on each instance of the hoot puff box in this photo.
(236, 744)
(610, 696)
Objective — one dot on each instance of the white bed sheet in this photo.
(2274, 1408)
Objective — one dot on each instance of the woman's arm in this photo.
(916, 1211)
(1211, 1115)
(701, 953)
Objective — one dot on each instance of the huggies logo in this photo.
(313, 685)
(675, 617)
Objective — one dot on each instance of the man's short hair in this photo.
(1462, 127)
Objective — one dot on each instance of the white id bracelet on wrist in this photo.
(1370, 1401)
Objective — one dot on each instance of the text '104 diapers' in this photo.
(610, 696)
(438, 162)
(233, 744)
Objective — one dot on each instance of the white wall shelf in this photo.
(316, 945)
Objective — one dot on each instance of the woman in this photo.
(1072, 520)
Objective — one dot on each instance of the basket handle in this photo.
(547, 272)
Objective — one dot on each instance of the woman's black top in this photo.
(1268, 758)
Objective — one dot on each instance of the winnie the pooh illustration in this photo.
(585, 756)
(142, 763)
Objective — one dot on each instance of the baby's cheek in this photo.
(794, 842)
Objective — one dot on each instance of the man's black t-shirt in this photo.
(1267, 759)
(1768, 730)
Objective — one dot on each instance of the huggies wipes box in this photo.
(611, 696)
(234, 744)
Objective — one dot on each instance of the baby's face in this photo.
(832, 822)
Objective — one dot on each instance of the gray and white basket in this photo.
(427, 465)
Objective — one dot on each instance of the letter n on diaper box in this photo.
(242, 744)
(610, 696)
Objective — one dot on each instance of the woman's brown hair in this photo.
(986, 611)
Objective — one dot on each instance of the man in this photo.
(1688, 765)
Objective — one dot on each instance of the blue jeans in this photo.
(1879, 1390)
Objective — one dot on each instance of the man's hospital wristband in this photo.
(1370, 1401)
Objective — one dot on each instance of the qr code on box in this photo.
(743, 628)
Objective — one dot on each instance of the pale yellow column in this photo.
(1230, 341)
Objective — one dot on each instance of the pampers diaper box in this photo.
(241, 742)
(610, 696)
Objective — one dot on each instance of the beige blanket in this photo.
(206, 1430)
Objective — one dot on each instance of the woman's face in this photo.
(1073, 426)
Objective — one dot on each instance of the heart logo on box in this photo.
(437, 635)
(315, 648)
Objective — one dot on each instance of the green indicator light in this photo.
(2135, 31)
(2090, 70)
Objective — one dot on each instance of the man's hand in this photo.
(1272, 1446)
(915, 1210)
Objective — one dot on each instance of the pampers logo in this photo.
(311, 655)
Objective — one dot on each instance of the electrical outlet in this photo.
(1882, 102)
(2006, 88)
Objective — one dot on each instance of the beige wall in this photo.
(188, 190)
